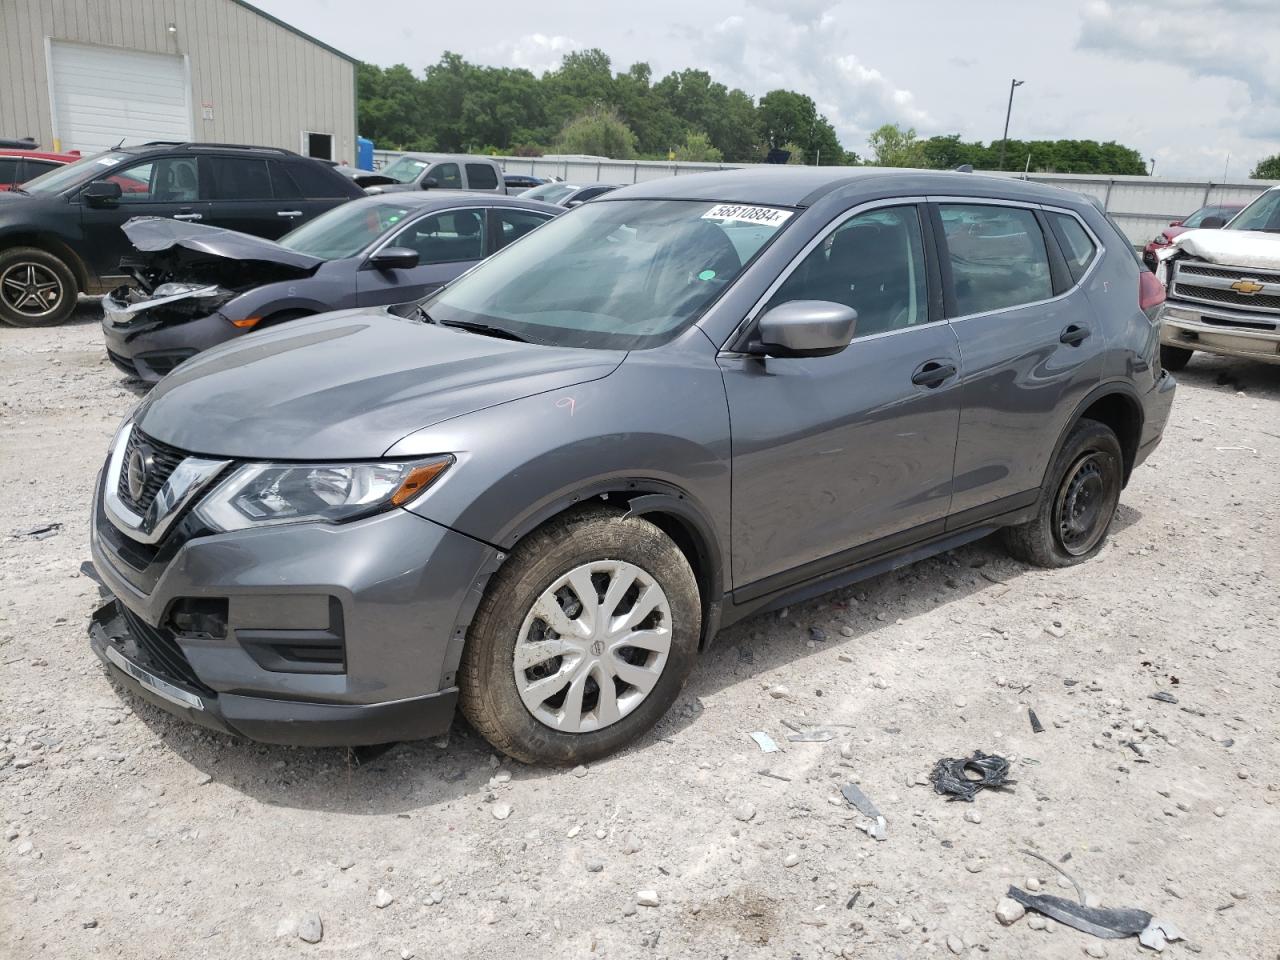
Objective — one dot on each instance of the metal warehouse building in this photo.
(82, 74)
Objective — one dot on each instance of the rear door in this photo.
(158, 186)
(1029, 340)
(483, 177)
(306, 188)
(448, 243)
(836, 459)
(242, 197)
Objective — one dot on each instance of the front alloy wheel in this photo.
(583, 639)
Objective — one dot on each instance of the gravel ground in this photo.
(133, 835)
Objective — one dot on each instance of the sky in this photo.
(1192, 84)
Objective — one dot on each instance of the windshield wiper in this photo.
(481, 328)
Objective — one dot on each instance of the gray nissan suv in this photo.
(540, 495)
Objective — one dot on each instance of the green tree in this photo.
(391, 108)
(789, 117)
(1268, 169)
(795, 151)
(599, 133)
(697, 147)
(891, 146)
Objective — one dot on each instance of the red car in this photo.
(18, 165)
(1162, 239)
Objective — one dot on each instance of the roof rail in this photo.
(218, 146)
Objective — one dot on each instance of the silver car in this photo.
(542, 496)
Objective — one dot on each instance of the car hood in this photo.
(1236, 248)
(160, 234)
(348, 385)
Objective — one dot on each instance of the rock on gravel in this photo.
(310, 928)
(383, 900)
(1009, 911)
(501, 811)
(647, 898)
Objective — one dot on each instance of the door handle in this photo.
(288, 213)
(1075, 335)
(188, 216)
(932, 373)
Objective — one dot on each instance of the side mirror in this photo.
(804, 328)
(429, 183)
(1212, 223)
(101, 193)
(574, 203)
(1175, 223)
(394, 258)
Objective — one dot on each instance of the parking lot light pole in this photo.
(1004, 142)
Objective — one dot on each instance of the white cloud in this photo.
(537, 52)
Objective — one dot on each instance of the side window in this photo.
(315, 181)
(447, 175)
(514, 224)
(873, 262)
(480, 176)
(282, 185)
(9, 170)
(998, 257)
(1077, 245)
(36, 168)
(165, 180)
(237, 178)
(446, 237)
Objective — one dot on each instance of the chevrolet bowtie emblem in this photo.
(1247, 287)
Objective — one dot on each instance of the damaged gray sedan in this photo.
(196, 286)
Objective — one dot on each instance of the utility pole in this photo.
(1013, 85)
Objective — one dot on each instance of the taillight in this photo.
(1150, 292)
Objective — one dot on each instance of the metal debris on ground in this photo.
(1163, 696)
(811, 736)
(1159, 934)
(1105, 922)
(961, 779)
(1036, 725)
(41, 532)
(875, 825)
(764, 741)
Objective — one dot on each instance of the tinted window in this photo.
(164, 180)
(316, 181)
(592, 192)
(447, 175)
(1077, 246)
(236, 178)
(514, 224)
(480, 176)
(874, 263)
(35, 168)
(282, 184)
(9, 170)
(445, 237)
(998, 257)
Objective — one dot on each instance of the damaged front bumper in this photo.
(1229, 333)
(147, 336)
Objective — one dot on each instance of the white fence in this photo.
(1140, 205)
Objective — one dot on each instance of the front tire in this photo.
(37, 289)
(1077, 502)
(1174, 358)
(583, 639)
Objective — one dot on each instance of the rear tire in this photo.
(1174, 358)
(527, 708)
(37, 289)
(1077, 502)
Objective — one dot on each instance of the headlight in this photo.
(258, 494)
(1160, 240)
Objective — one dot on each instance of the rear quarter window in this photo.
(1077, 246)
(318, 182)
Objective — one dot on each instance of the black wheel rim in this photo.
(1086, 501)
(31, 289)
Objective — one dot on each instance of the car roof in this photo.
(38, 154)
(803, 186)
(441, 199)
(170, 146)
(445, 156)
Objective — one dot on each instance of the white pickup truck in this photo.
(1223, 288)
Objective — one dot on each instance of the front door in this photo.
(838, 458)
(447, 243)
(156, 187)
(1031, 345)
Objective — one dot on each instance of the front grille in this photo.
(164, 460)
(1227, 297)
(162, 650)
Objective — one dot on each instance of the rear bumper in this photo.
(1220, 331)
(266, 720)
(1156, 406)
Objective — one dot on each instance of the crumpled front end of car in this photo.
(131, 316)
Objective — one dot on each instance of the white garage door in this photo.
(101, 94)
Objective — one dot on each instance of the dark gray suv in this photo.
(673, 407)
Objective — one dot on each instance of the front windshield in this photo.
(404, 169)
(613, 274)
(549, 192)
(1262, 214)
(346, 230)
(55, 181)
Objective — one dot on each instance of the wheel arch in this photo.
(1117, 405)
(56, 246)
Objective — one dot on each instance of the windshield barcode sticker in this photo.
(766, 216)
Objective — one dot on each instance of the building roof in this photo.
(292, 29)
